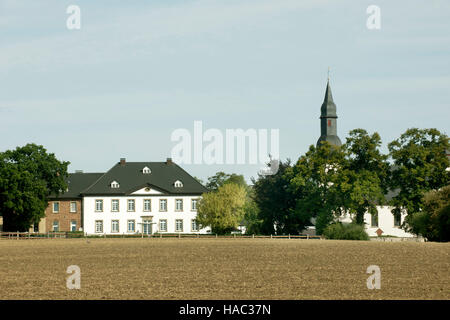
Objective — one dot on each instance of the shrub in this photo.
(345, 231)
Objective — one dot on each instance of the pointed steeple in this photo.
(328, 119)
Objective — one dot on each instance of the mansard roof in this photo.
(130, 177)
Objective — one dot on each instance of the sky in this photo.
(136, 71)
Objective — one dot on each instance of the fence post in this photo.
(253, 236)
(179, 235)
(307, 237)
(270, 236)
(17, 235)
(289, 236)
(216, 235)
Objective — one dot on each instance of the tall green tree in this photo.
(433, 222)
(28, 176)
(315, 181)
(419, 165)
(222, 209)
(274, 201)
(364, 178)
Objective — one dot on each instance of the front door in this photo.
(146, 226)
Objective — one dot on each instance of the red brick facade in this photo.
(64, 216)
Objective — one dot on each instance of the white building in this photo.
(142, 197)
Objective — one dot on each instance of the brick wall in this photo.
(64, 216)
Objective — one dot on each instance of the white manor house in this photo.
(130, 198)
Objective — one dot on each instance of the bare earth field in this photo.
(222, 269)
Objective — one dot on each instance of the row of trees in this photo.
(328, 181)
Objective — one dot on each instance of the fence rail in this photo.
(32, 235)
(66, 235)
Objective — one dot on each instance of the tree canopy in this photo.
(28, 176)
(222, 209)
(419, 165)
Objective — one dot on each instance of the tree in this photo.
(274, 201)
(420, 164)
(222, 209)
(220, 178)
(433, 222)
(28, 176)
(252, 219)
(365, 174)
(316, 183)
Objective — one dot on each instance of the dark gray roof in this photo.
(332, 139)
(130, 178)
(328, 108)
(77, 182)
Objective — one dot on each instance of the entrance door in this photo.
(146, 226)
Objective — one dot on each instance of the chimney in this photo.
(78, 171)
(122, 161)
(169, 161)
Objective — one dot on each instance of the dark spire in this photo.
(328, 119)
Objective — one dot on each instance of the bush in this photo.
(347, 231)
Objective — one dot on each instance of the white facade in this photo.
(148, 214)
(386, 223)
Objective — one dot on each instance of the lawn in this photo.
(222, 269)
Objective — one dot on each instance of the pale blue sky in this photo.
(135, 72)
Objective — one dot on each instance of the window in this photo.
(131, 205)
(178, 225)
(163, 225)
(115, 185)
(73, 206)
(374, 221)
(397, 220)
(147, 205)
(99, 205)
(178, 184)
(115, 226)
(99, 226)
(146, 170)
(55, 225)
(73, 225)
(131, 225)
(178, 204)
(163, 205)
(194, 225)
(194, 204)
(55, 207)
(115, 205)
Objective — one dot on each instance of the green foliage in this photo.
(364, 179)
(223, 209)
(315, 183)
(28, 175)
(433, 222)
(275, 201)
(420, 164)
(345, 231)
(221, 178)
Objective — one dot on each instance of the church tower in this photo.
(328, 120)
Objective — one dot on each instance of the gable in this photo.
(146, 190)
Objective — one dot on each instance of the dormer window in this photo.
(178, 184)
(115, 185)
(146, 170)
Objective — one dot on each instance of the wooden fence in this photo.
(65, 235)
(32, 235)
